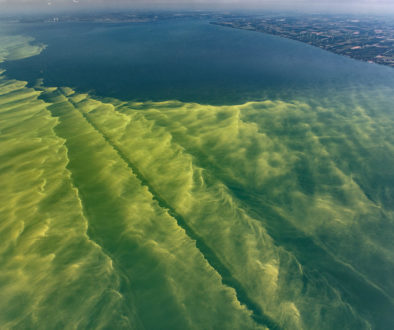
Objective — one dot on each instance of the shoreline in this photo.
(309, 42)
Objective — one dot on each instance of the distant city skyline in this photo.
(363, 6)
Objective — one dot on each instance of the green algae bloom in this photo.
(170, 215)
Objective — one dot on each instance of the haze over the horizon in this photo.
(351, 6)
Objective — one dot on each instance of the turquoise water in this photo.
(213, 178)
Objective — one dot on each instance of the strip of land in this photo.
(366, 39)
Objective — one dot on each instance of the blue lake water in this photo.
(185, 60)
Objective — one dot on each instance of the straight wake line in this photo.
(257, 313)
(235, 193)
(348, 275)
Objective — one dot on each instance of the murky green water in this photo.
(246, 183)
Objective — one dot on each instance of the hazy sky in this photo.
(366, 6)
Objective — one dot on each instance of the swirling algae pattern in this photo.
(171, 215)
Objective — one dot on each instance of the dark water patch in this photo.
(370, 301)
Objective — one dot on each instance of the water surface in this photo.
(213, 178)
(187, 60)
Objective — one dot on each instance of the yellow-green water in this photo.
(170, 215)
